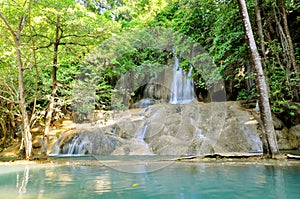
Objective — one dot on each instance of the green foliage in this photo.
(216, 27)
(136, 54)
(100, 41)
(245, 94)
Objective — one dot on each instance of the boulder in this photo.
(86, 141)
(199, 128)
(295, 131)
(285, 140)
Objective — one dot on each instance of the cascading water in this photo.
(141, 147)
(141, 134)
(80, 146)
(182, 89)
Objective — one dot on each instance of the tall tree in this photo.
(260, 30)
(269, 139)
(290, 46)
(54, 86)
(25, 150)
(65, 37)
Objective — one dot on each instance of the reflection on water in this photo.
(22, 183)
(175, 181)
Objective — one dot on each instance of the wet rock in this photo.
(295, 130)
(199, 147)
(278, 124)
(133, 147)
(86, 141)
(193, 129)
(160, 86)
(204, 128)
(285, 139)
(169, 145)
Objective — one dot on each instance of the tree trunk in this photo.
(26, 135)
(290, 46)
(271, 150)
(54, 88)
(288, 36)
(25, 150)
(260, 31)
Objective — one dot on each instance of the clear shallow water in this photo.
(174, 181)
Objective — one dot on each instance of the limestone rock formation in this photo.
(169, 129)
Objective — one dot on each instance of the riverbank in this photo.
(119, 161)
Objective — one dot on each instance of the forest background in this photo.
(44, 45)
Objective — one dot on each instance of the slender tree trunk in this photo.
(260, 31)
(271, 149)
(288, 36)
(54, 89)
(26, 135)
(25, 150)
(32, 121)
(290, 46)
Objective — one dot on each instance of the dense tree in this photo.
(49, 41)
(278, 54)
(216, 25)
(269, 138)
(15, 31)
(55, 37)
(62, 32)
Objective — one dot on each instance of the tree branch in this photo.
(9, 100)
(41, 47)
(43, 36)
(79, 36)
(7, 24)
(72, 43)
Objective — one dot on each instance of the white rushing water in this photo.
(141, 134)
(182, 89)
(141, 147)
(80, 145)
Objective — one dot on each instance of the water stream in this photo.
(140, 146)
(142, 134)
(182, 89)
(80, 145)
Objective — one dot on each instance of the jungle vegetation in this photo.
(47, 45)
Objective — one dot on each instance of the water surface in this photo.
(179, 180)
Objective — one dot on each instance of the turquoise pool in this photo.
(176, 180)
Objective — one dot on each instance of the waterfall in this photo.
(141, 147)
(141, 134)
(78, 145)
(182, 89)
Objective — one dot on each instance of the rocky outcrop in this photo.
(160, 86)
(285, 139)
(166, 129)
(86, 141)
(199, 128)
(295, 131)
